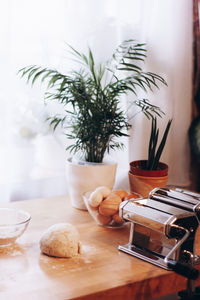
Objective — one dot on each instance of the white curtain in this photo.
(32, 157)
(166, 27)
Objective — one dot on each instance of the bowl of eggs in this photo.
(103, 205)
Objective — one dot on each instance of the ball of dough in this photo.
(60, 240)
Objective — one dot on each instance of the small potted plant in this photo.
(145, 175)
(93, 118)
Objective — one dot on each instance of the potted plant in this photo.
(145, 175)
(93, 117)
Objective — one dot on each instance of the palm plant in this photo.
(91, 97)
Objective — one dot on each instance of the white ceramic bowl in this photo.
(13, 223)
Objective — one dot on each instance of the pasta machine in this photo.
(163, 229)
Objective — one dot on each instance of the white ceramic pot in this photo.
(83, 177)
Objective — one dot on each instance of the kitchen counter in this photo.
(100, 272)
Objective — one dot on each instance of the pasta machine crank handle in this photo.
(183, 269)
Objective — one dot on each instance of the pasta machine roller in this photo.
(178, 197)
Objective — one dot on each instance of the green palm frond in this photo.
(90, 95)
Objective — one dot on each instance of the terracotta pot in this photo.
(143, 181)
(82, 178)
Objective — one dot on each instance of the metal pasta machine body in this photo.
(161, 233)
(178, 197)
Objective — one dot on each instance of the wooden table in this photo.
(100, 272)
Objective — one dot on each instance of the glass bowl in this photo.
(13, 223)
(112, 221)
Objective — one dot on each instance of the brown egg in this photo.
(132, 196)
(110, 205)
(103, 220)
(92, 208)
(104, 190)
(120, 193)
(95, 199)
(118, 219)
(98, 195)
